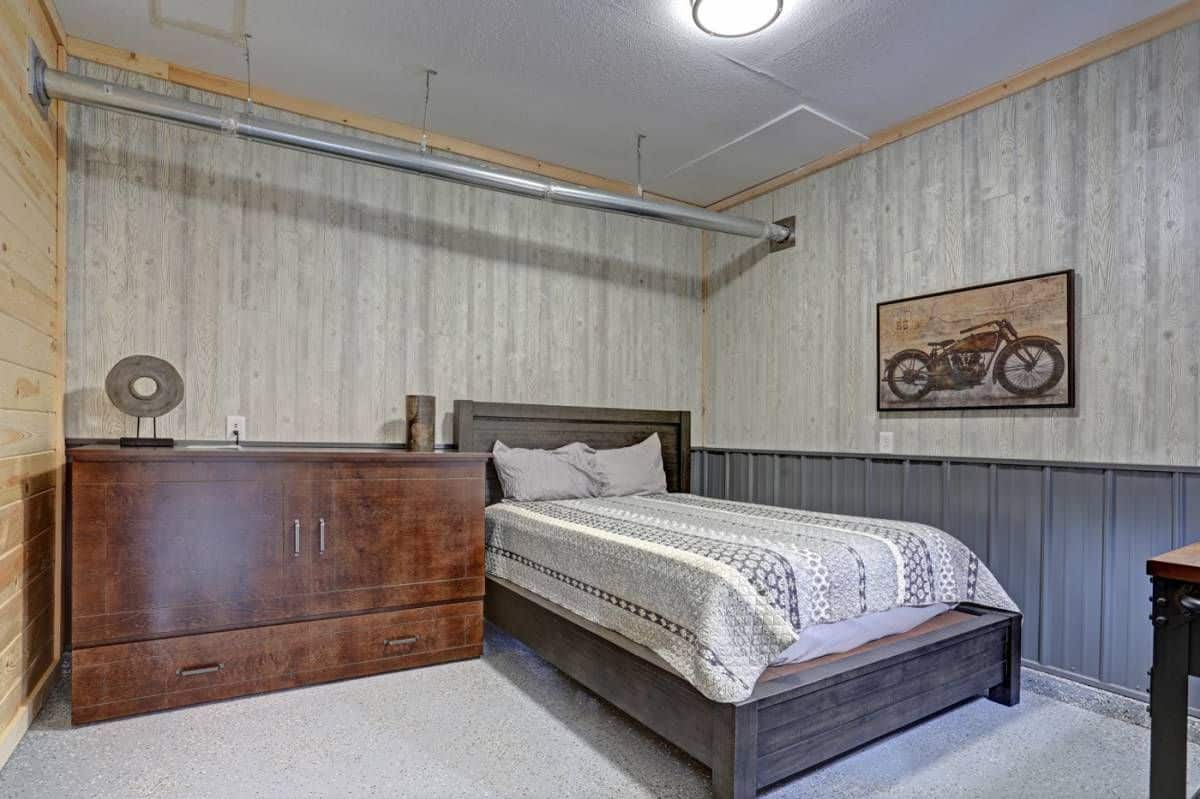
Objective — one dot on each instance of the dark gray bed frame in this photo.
(793, 721)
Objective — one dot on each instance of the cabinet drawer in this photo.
(123, 679)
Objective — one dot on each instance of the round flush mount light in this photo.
(732, 18)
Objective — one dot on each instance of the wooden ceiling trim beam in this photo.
(229, 87)
(1138, 33)
(53, 20)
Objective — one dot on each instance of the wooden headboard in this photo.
(478, 425)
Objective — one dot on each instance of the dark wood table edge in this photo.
(1175, 605)
(297, 453)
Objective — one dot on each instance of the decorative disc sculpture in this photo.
(145, 387)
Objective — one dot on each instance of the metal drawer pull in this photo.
(412, 639)
(195, 670)
(321, 537)
(296, 538)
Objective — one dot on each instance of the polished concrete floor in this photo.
(508, 725)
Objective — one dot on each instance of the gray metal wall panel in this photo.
(791, 481)
(968, 505)
(1015, 545)
(714, 475)
(886, 491)
(1141, 527)
(924, 493)
(1189, 510)
(850, 486)
(738, 477)
(1072, 578)
(818, 484)
(764, 473)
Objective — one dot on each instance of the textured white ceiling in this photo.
(572, 81)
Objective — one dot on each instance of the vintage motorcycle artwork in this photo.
(1024, 366)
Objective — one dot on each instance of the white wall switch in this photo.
(235, 428)
(887, 442)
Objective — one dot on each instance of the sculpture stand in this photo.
(153, 441)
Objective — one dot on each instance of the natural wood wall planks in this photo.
(311, 295)
(1097, 170)
(31, 450)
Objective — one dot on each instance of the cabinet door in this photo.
(175, 548)
(398, 535)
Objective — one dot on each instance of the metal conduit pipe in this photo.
(51, 84)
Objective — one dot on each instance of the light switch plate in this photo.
(235, 428)
(887, 442)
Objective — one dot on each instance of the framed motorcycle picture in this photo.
(998, 345)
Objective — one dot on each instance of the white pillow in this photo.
(535, 474)
(632, 470)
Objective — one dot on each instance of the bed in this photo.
(796, 715)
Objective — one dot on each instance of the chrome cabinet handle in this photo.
(321, 535)
(195, 670)
(412, 639)
(295, 538)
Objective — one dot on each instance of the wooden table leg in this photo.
(1168, 696)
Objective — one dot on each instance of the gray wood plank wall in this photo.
(1097, 171)
(311, 295)
(1069, 542)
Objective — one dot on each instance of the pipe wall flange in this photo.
(788, 222)
(35, 80)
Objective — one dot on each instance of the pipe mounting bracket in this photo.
(788, 222)
(35, 75)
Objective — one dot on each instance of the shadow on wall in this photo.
(393, 431)
(93, 405)
(736, 267)
(322, 209)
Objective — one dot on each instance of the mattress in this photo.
(820, 640)
(722, 590)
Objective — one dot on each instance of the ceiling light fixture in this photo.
(733, 18)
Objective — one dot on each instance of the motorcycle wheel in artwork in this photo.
(1024, 366)
(908, 375)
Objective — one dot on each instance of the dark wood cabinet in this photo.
(202, 563)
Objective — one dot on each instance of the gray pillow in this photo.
(533, 474)
(632, 470)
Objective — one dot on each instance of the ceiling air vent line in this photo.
(51, 84)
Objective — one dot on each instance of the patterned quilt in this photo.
(719, 589)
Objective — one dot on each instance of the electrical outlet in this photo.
(235, 428)
(887, 442)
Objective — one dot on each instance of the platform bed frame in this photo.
(798, 716)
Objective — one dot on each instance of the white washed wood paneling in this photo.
(311, 295)
(1097, 171)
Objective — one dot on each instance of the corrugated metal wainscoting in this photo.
(1068, 540)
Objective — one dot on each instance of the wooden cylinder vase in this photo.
(421, 411)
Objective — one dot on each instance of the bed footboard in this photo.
(801, 720)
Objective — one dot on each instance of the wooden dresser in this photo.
(201, 574)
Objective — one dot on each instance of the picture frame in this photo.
(1009, 344)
